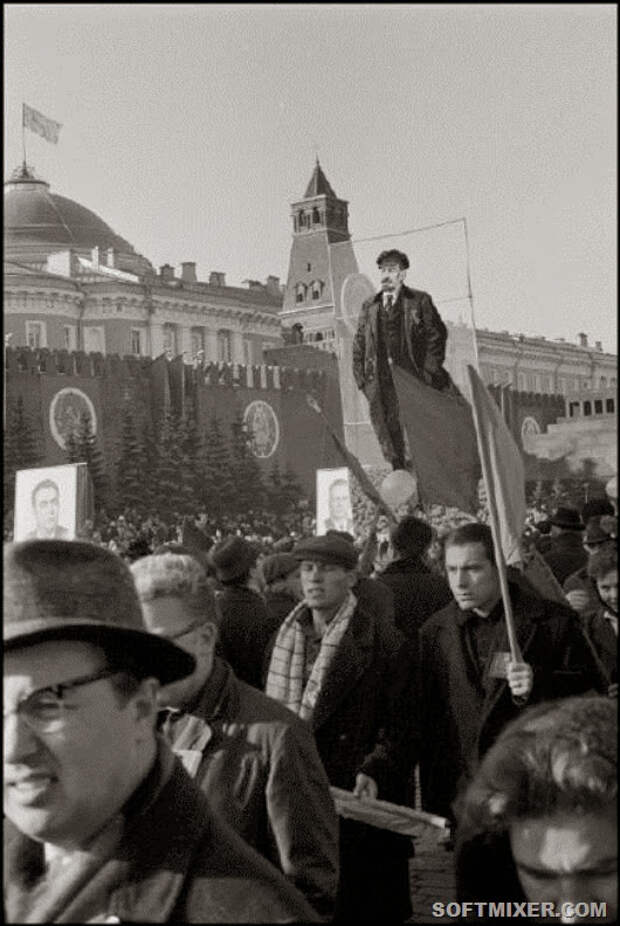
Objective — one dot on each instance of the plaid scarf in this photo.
(286, 668)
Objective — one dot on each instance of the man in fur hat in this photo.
(102, 823)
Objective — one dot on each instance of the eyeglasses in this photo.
(46, 711)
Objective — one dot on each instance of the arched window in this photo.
(316, 216)
(300, 292)
(603, 382)
(317, 289)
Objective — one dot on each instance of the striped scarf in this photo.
(285, 675)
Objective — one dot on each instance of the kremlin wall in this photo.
(91, 322)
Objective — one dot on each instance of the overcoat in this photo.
(174, 861)
(566, 555)
(417, 592)
(258, 764)
(244, 632)
(461, 715)
(605, 642)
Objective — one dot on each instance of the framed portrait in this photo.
(51, 502)
(333, 501)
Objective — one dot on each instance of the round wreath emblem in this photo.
(66, 408)
(263, 428)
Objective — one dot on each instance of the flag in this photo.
(352, 462)
(442, 442)
(502, 465)
(37, 122)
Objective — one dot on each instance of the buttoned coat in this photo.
(245, 628)
(258, 765)
(175, 862)
(461, 715)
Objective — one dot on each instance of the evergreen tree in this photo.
(292, 492)
(82, 447)
(277, 503)
(218, 484)
(166, 471)
(21, 449)
(249, 489)
(193, 458)
(130, 474)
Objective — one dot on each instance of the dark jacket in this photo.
(244, 632)
(259, 767)
(566, 554)
(461, 714)
(423, 340)
(279, 605)
(601, 635)
(174, 862)
(417, 592)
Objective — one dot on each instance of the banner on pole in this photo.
(35, 121)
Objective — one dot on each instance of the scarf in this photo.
(286, 668)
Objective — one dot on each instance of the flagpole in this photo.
(470, 295)
(23, 136)
(515, 651)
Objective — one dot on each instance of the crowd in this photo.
(181, 699)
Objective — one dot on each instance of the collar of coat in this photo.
(530, 609)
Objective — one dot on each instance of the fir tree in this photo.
(291, 490)
(218, 483)
(190, 463)
(21, 450)
(81, 447)
(277, 503)
(166, 472)
(130, 474)
(249, 489)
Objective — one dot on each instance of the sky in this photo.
(190, 129)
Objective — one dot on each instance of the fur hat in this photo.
(278, 566)
(327, 549)
(70, 590)
(567, 518)
(232, 558)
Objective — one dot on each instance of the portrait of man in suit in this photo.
(340, 516)
(45, 505)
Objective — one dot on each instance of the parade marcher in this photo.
(343, 670)
(398, 326)
(565, 553)
(245, 625)
(255, 761)
(579, 588)
(102, 823)
(282, 586)
(601, 624)
(373, 595)
(418, 592)
(470, 686)
(539, 821)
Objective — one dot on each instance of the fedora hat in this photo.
(567, 518)
(327, 549)
(233, 558)
(70, 590)
(599, 530)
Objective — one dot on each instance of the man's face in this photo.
(392, 275)
(325, 585)
(62, 787)
(608, 590)
(339, 507)
(568, 859)
(473, 579)
(46, 509)
(170, 617)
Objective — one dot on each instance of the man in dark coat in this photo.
(566, 553)
(280, 573)
(470, 687)
(418, 592)
(256, 762)
(245, 624)
(346, 672)
(102, 823)
(397, 326)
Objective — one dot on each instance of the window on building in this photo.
(136, 342)
(521, 382)
(248, 353)
(300, 292)
(585, 384)
(197, 341)
(317, 289)
(587, 407)
(308, 267)
(69, 334)
(603, 382)
(612, 382)
(36, 334)
(224, 345)
(610, 406)
(562, 385)
(598, 406)
(573, 409)
(170, 339)
(94, 340)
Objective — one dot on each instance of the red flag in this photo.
(442, 442)
(37, 122)
(502, 464)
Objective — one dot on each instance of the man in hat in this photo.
(397, 326)
(103, 824)
(280, 573)
(470, 685)
(245, 625)
(565, 554)
(256, 762)
(344, 670)
(579, 588)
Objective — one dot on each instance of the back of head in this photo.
(175, 575)
(411, 537)
(595, 508)
(557, 757)
(233, 559)
(471, 532)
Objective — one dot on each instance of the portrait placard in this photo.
(51, 502)
(333, 501)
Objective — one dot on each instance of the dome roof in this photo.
(37, 223)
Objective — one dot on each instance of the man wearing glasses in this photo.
(102, 822)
